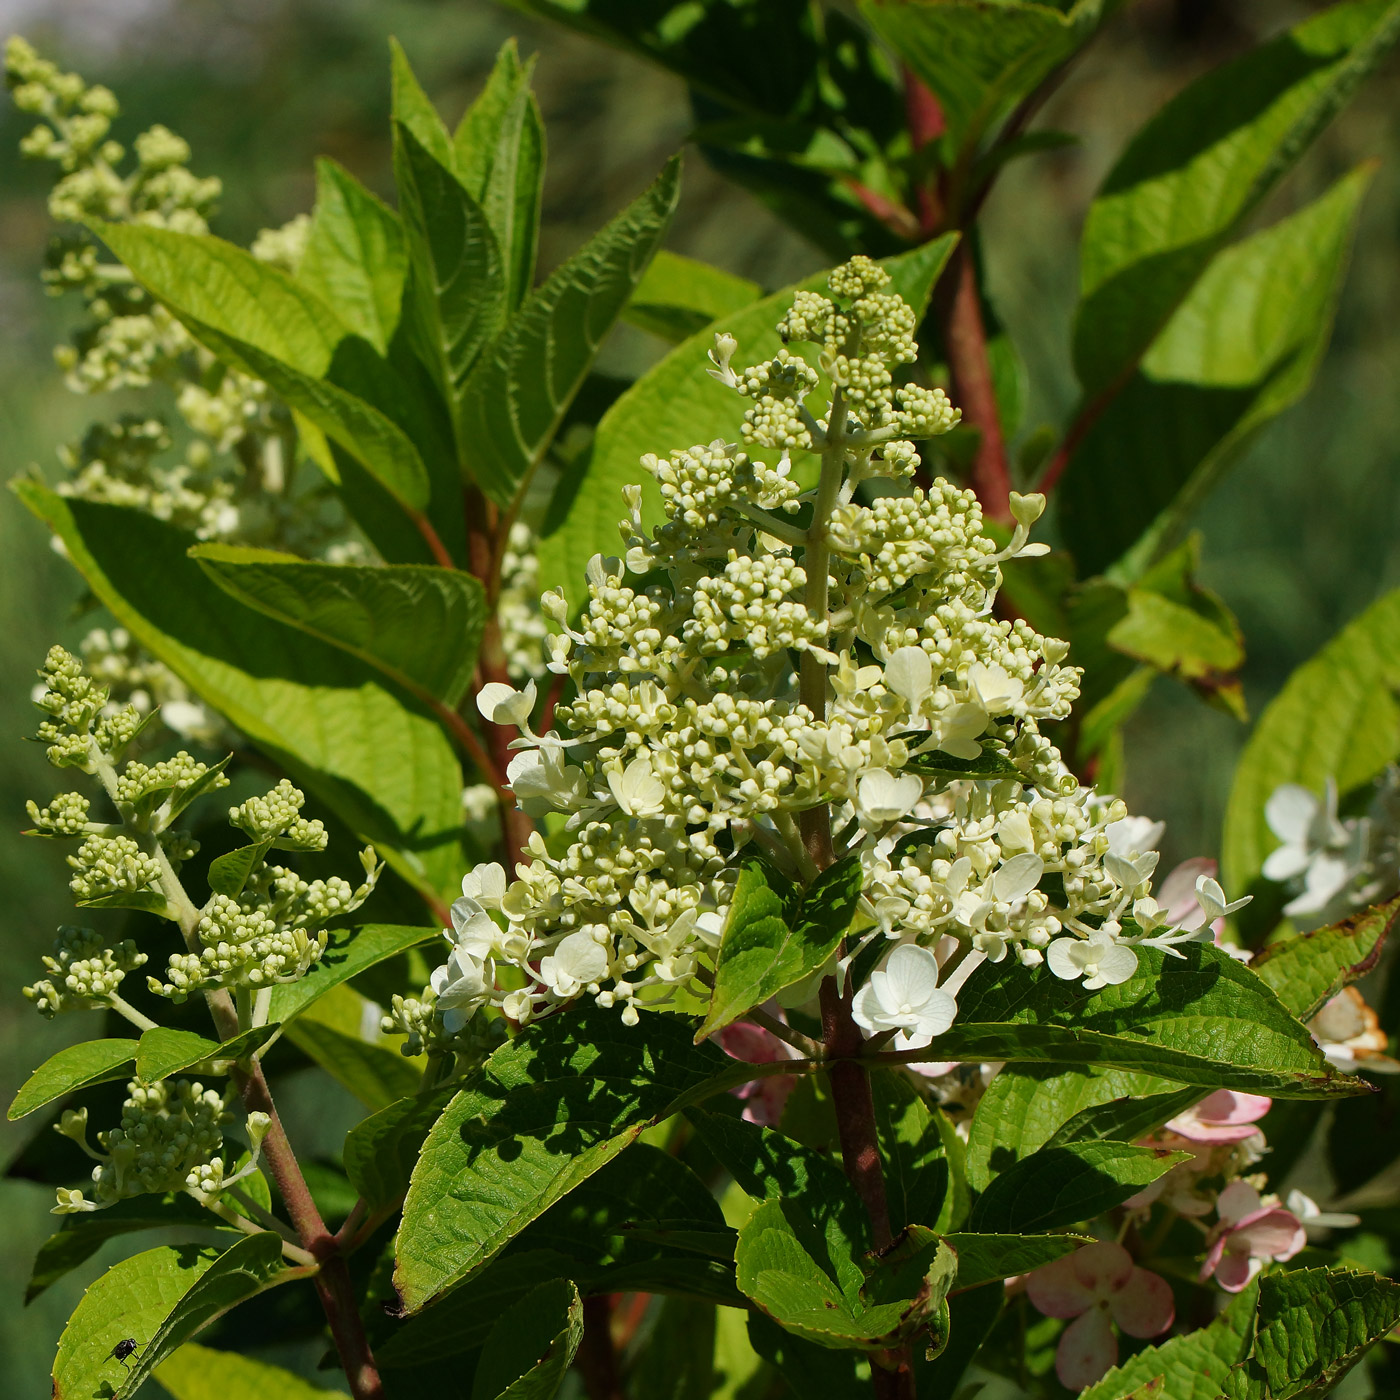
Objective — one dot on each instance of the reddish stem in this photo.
(965, 341)
(434, 541)
(333, 1284)
(597, 1357)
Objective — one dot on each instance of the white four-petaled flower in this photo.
(1099, 959)
(904, 996)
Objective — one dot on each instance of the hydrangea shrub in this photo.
(751, 984)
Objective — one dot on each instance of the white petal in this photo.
(1284, 862)
(1289, 812)
(909, 673)
(911, 976)
(937, 1013)
(1017, 877)
(581, 957)
(1118, 964)
(1060, 956)
(866, 1009)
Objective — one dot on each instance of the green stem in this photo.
(125, 1008)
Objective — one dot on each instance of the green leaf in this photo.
(1306, 972)
(75, 1067)
(86, 1232)
(1200, 166)
(678, 297)
(518, 394)
(380, 1151)
(842, 1308)
(1192, 1367)
(147, 901)
(679, 1360)
(993, 763)
(1062, 1186)
(645, 1222)
(376, 758)
(986, 1258)
(971, 1316)
(812, 1372)
(761, 954)
(1240, 347)
(229, 872)
(1027, 1105)
(201, 1373)
(547, 1111)
(979, 59)
(1313, 1326)
(1335, 718)
(1126, 1119)
(419, 625)
(1201, 1018)
(355, 259)
(461, 1321)
(674, 405)
(412, 109)
(498, 149)
(331, 1033)
(530, 1348)
(373, 439)
(456, 298)
(925, 1183)
(229, 291)
(163, 1050)
(350, 952)
(160, 1299)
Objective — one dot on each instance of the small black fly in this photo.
(123, 1349)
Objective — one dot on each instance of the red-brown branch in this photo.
(965, 342)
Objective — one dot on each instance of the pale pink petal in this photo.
(1213, 1258)
(1274, 1234)
(1177, 893)
(1103, 1268)
(935, 1069)
(1223, 1117)
(1144, 1306)
(1238, 1200)
(765, 1099)
(752, 1044)
(1235, 1272)
(1056, 1290)
(1088, 1349)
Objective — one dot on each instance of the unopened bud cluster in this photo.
(84, 971)
(169, 1139)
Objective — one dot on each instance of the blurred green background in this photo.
(1301, 537)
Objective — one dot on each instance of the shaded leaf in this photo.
(229, 872)
(518, 394)
(678, 297)
(1200, 166)
(84, 1233)
(355, 259)
(420, 626)
(160, 1299)
(332, 1033)
(1061, 1186)
(1242, 345)
(380, 1151)
(986, 1258)
(530, 1348)
(547, 1111)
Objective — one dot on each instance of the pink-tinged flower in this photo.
(1177, 893)
(1249, 1234)
(1350, 1035)
(1098, 1286)
(764, 1098)
(1223, 1117)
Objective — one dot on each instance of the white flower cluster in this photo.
(170, 1139)
(737, 670)
(1334, 865)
